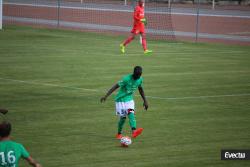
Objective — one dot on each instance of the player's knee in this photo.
(130, 111)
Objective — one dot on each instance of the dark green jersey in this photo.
(11, 152)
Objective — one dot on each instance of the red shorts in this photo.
(138, 29)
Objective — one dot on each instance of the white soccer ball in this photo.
(126, 141)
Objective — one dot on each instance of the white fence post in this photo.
(1, 14)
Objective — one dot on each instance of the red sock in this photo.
(128, 41)
(144, 43)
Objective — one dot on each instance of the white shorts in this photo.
(123, 107)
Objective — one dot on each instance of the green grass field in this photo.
(52, 80)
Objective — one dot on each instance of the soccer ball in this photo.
(126, 141)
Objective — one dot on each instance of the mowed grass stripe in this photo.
(99, 91)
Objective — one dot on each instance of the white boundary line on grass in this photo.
(198, 97)
(47, 84)
(152, 97)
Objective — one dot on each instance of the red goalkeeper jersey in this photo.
(138, 25)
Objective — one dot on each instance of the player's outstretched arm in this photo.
(32, 162)
(111, 90)
(145, 102)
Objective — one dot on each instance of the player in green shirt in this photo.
(125, 106)
(10, 151)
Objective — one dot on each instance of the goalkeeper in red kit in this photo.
(138, 28)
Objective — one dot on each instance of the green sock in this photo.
(132, 121)
(120, 124)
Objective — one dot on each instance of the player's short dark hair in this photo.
(138, 69)
(5, 129)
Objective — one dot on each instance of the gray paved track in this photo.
(125, 29)
(122, 7)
